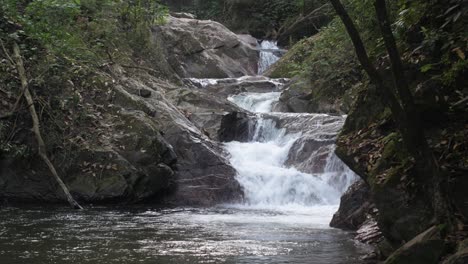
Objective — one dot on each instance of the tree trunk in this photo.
(404, 113)
(361, 53)
(36, 126)
(420, 149)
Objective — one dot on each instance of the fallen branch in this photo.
(462, 101)
(36, 126)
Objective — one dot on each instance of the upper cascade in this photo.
(267, 167)
(269, 54)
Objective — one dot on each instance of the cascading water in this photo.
(267, 55)
(267, 180)
(256, 102)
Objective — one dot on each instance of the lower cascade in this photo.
(261, 163)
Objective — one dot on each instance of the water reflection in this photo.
(142, 235)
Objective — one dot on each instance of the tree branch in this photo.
(36, 126)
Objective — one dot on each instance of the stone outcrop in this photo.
(426, 248)
(125, 158)
(203, 175)
(205, 49)
(318, 132)
(142, 143)
(236, 126)
(354, 207)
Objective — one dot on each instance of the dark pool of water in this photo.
(190, 235)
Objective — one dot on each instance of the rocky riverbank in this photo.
(142, 137)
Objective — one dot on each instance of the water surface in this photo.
(183, 235)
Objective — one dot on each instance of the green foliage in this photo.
(444, 37)
(258, 17)
(432, 37)
(83, 31)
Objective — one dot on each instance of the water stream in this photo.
(289, 202)
(267, 55)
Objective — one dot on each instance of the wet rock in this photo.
(251, 84)
(354, 208)
(369, 231)
(426, 248)
(311, 152)
(236, 126)
(205, 49)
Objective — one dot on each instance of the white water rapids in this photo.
(267, 56)
(267, 180)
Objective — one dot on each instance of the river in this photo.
(288, 205)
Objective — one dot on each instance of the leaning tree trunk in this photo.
(404, 113)
(420, 149)
(36, 126)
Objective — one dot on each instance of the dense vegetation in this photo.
(432, 39)
(66, 43)
(431, 35)
(263, 19)
(70, 47)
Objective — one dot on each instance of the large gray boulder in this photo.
(203, 175)
(134, 145)
(206, 49)
(120, 156)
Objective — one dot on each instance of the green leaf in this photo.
(426, 68)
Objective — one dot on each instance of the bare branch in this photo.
(36, 126)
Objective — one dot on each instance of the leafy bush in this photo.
(86, 30)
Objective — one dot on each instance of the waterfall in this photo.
(261, 163)
(267, 55)
(256, 102)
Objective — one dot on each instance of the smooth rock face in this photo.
(204, 109)
(206, 49)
